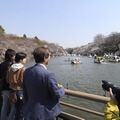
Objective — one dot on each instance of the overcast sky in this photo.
(69, 23)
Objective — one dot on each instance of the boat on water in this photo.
(76, 61)
(99, 60)
(114, 59)
(90, 56)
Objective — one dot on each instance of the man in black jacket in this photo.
(6, 92)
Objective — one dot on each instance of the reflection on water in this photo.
(85, 77)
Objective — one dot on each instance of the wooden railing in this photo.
(91, 97)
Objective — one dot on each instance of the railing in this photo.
(91, 97)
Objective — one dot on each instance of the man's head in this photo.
(41, 55)
(10, 55)
(20, 57)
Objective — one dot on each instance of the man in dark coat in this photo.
(41, 90)
(5, 90)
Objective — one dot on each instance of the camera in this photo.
(116, 90)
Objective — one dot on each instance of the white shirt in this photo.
(43, 66)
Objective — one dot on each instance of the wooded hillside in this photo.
(25, 44)
(100, 45)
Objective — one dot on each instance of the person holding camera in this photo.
(112, 110)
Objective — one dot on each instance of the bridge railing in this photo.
(87, 96)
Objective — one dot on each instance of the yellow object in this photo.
(111, 110)
(59, 85)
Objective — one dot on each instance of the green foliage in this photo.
(2, 31)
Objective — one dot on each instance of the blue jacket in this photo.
(41, 94)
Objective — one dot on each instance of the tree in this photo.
(98, 39)
(69, 50)
(111, 43)
(2, 31)
(36, 37)
(24, 36)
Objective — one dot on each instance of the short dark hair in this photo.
(40, 53)
(20, 56)
(9, 54)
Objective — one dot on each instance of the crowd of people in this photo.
(29, 93)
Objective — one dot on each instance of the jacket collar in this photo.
(42, 65)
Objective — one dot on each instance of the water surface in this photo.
(85, 77)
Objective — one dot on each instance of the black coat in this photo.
(3, 72)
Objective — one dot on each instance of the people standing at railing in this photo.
(41, 90)
(15, 79)
(5, 90)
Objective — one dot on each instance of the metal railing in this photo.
(87, 96)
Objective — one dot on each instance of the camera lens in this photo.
(106, 85)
